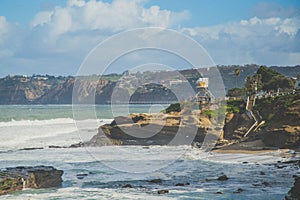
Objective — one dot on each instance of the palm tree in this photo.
(237, 72)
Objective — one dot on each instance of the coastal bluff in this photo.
(173, 128)
(18, 178)
(279, 128)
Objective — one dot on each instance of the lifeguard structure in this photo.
(203, 96)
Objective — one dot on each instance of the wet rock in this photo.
(157, 181)
(262, 173)
(239, 190)
(294, 193)
(222, 178)
(127, 186)
(31, 148)
(18, 178)
(219, 192)
(266, 184)
(182, 184)
(80, 144)
(81, 176)
(55, 147)
(162, 191)
(245, 162)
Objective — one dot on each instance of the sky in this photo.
(55, 36)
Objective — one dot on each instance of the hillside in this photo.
(155, 86)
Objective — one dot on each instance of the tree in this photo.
(253, 84)
(236, 92)
(237, 72)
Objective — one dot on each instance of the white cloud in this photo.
(119, 15)
(269, 9)
(41, 18)
(4, 29)
(62, 36)
(256, 40)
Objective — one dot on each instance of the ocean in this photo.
(101, 172)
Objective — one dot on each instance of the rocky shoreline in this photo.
(19, 178)
(279, 129)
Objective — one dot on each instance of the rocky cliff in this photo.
(280, 130)
(40, 89)
(175, 128)
(18, 178)
(282, 121)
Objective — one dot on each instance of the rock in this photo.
(222, 178)
(132, 130)
(54, 147)
(245, 162)
(219, 192)
(262, 173)
(127, 186)
(294, 193)
(281, 138)
(266, 184)
(80, 144)
(31, 148)
(162, 191)
(156, 181)
(239, 190)
(182, 184)
(17, 178)
(81, 176)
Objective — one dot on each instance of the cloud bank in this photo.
(56, 41)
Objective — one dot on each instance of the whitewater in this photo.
(101, 173)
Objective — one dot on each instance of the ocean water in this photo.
(101, 172)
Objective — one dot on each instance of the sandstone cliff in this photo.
(18, 178)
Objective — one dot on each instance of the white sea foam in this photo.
(46, 122)
(43, 133)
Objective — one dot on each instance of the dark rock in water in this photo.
(55, 147)
(182, 184)
(262, 173)
(294, 193)
(162, 191)
(219, 192)
(222, 178)
(80, 144)
(18, 178)
(266, 184)
(31, 148)
(81, 176)
(127, 186)
(245, 162)
(239, 190)
(156, 181)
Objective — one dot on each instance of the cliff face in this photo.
(18, 178)
(145, 129)
(26, 90)
(58, 90)
(282, 121)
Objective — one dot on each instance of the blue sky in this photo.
(54, 36)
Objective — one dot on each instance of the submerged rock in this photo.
(18, 178)
(222, 178)
(239, 190)
(127, 186)
(81, 176)
(162, 191)
(156, 181)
